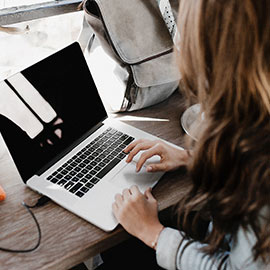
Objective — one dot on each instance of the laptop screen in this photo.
(47, 107)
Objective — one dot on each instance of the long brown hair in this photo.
(224, 59)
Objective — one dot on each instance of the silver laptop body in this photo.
(62, 141)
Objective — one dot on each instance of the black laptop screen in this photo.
(47, 107)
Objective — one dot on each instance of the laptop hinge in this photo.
(66, 151)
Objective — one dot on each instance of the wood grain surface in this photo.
(67, 239)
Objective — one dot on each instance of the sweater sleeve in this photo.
(167, 248)
(174, 252)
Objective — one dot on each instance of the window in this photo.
(33, 29)
(14, 3)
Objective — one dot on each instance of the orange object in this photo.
(2, 194)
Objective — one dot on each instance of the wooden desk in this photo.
(67, 239)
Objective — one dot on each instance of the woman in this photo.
(224, 60)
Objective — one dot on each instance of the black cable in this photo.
(40, 202)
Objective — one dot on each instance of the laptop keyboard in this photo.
(87, 167)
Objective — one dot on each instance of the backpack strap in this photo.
(168, 17)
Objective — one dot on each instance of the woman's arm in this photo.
(171, 245)
(138, 214)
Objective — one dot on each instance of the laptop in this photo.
(62, 141)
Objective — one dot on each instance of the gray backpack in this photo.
(129, 51)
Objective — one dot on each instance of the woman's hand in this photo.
(171, 157)
(138, 214)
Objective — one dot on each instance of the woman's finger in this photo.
(146, 155)
(134, 190)
(141, 146)
(132, 145)
(158, 167)
(114, 208)
(116, 211)
(118, 199)
(126, 193)
(148, 194)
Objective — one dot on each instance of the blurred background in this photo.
(26, 42)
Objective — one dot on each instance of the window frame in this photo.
(17, 14)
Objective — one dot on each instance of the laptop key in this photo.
(49, 177)
(78, 160)
(88, 176)
(119, 133)
(111, 132)
(89, 167)
(83, 180)
(79, 194)
(113, 146)
(98, 159)
(83, 156)
(128, 140)
(84, 189)
(118, 149)
(123, 137)
(73, 164)
(72, 173)
(69, 168)
(101, 156)
(111, 165)
(102, 148)
(106, 152)
(54, 180)
(115, 153)
(82, 165)
(93, 172)
(106, 160)
(68, 185)
(110, 157)
(80, 175)
(84, 171)
(106, 144)
(122, 146)
(75, 179)
(121, 155)
(99, 150)
(59, 176)
(85, 149)
(118, 142)
(94, 163)
(86, 161)
(64, 172)
(79, 152)
(94, 180)
(62, 182)
(59, 169)
(97, 168)
(76, 187)
(102, 164)
(73, 158)
(89, 185)
(68, 177)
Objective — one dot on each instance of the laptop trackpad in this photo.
(128, 176)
